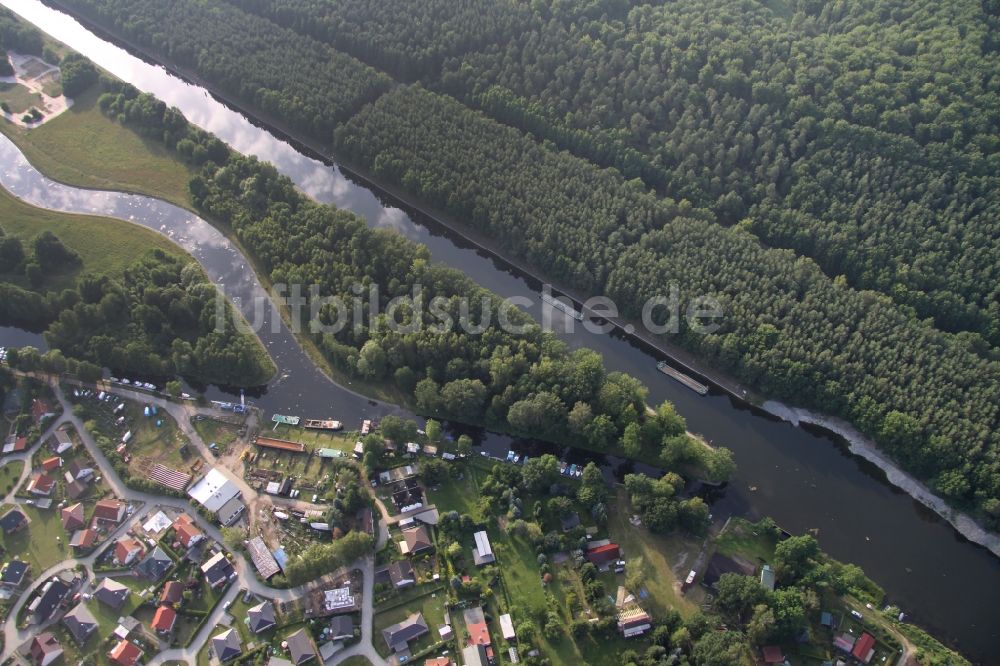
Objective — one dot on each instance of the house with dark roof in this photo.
(173, 592)
(72, 517)
(13, 521)
(126, 550)
(163, 620)
(80, 470)
(155, 565)
(300, 647)
(110, 511)
(341, 627)
(14, 574)
(41, 484)
(76, 489)
(45, 649)
(83, 539)
(569, 521)
(398, 636)
(261, 617)
(401, 574)
(416, 540)
(80, 623)
(125, 653)
(227, 645)
(48, 599)
(111, 593)
(63, 441)
(218, 570)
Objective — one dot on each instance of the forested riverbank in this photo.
(929, 398)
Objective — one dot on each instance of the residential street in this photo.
(246, 578)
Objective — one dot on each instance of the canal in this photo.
(802, 477)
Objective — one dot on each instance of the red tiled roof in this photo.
(20, 444)
(42, 483)
(173, 592)
(863, 647)
(107, 509)
(125, 653)
(604, 553)
(124, 547)
(87, 538)
(52, 463)
(186, 530)
(164, 619)
(479, 634)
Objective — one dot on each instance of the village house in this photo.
(45, 649)
(111, 511)
(163, 620)
(218, 570)
(125, 653)
(80, 623)
(126, 551)
(111, 593)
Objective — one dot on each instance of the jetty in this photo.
(562, 306)
(323, 424)
(285, 420)
(692, 384)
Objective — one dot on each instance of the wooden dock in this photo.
(692, 384)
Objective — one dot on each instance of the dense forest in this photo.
(302, 83)
(159, 319)
(860, 133)
(929, 398)
(407, 42)
(528, 383)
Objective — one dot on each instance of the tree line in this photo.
(528, 383)
(158, 319)
(302, 83)
(738, 104)
(788, 329)
(408, 41)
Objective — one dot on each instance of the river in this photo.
(801, 476)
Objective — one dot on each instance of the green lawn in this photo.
(211, 430)
(82, 147)
(43, 543)
(458, 494)
(19, 98)
(657, 553)
(9, 474)
(431, 605)
(152, 444)
(106, 246)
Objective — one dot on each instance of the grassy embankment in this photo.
(106, 246)
(19, 98)
(82, 147)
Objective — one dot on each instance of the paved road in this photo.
(13, 637)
